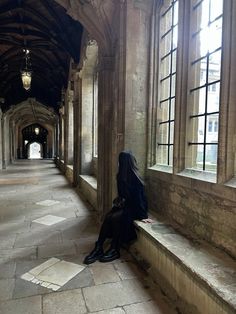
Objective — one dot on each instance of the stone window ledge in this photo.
(211, 268)
(90, 180)
(198, 175)
(71, 167)
(195, 182)
(162, 168)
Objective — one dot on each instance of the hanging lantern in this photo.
(26, 73)
(36, 130)
(26, 76)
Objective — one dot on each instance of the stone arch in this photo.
(96, 17)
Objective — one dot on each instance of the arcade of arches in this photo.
(156, 77)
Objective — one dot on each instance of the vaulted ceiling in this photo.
(51, 36)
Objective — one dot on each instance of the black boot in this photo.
(110, 255)
(96, 253)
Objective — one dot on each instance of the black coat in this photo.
(135, 206)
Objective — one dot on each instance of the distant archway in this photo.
(35, 151)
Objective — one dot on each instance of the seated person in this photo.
(131, 204)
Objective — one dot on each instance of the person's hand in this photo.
(147, 220)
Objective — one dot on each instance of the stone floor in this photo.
(46, 229)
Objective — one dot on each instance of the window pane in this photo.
(197, 129)
(214, 66)
(173, 85)
(171, 141)
(162, 154)
(166, 21)
(172, 109)
(197, 101)
(163, 111)
(215, 35)
(212, 129)
(163, 133)
(213, 98)
(216, 9)
(165, 89)
(198, 73)
(166, 44)
(165, 66)
(211, 157)
(196, 153)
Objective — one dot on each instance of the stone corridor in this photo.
(43, 220)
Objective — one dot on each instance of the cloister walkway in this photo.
(46, 229)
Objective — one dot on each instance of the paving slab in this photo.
(31, 305)
(66, 302)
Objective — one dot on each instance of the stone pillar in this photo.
(61, 134)
(105, 127)
(87, 121)
(77, 128)
(1, 141)
(70, 128)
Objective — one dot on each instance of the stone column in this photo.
(1, 141)
(77, 128)
(105, 127)
(61, 135)
(70, 128)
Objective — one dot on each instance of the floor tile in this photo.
(30, 305)
(103, 274)
(57, 249)
(108, 296)
(6, 289)
(127, 270)
(66, 302)
(7, 270)
(49, 220)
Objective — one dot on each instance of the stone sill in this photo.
(71, 167)
(212, 268)
(197, 182)
(90, 180)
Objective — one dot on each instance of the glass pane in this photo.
(165, 89)
(216, 8)
(172, 109)
(213, 97)
(198, 73)
(197, 129)
(196, 152)
(176, 12)
(165, 67)
(163, 112)
(212, 129)
(174, 61)
(211, 158)
(166, 43)
(162, 154)
(215, 35)
(197, 101)
(166, 21)
(171, 155)
(171, 133)
(163, 133)
(173, 85)
(175, 37)
(214, 66)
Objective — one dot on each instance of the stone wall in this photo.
(203, 209)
